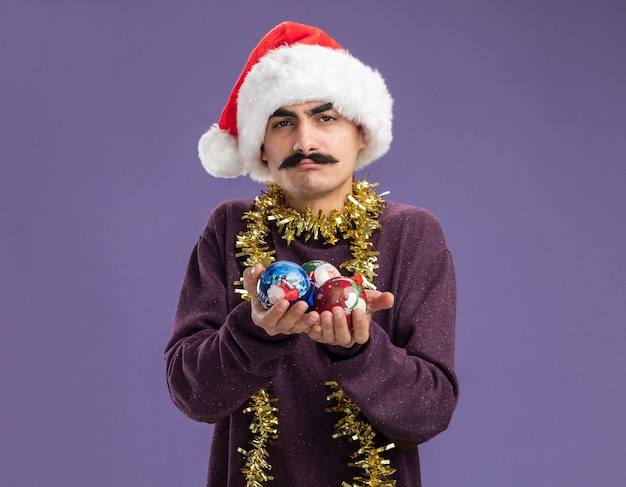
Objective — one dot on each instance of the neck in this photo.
(319, 199)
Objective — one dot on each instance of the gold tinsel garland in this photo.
(356, 428)
(264, 426)
(357, 223)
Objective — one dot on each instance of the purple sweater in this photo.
(402, 379)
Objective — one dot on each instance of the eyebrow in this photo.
(283, 112)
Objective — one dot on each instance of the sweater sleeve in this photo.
(216, 357)
(403, 379)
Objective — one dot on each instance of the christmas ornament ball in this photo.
(320, 271)
(342, 291)
(284, 280)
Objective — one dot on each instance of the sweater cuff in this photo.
(336, 352)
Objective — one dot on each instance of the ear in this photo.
(365, 140)
(263, 158)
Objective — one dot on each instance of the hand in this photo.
(333, 326)
(281, 318)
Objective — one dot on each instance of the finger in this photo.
(387, 300)
(306, 320)
(277, 311)
(315, 328)
(378, 301)
(294, 320)
(327, 334)
(360, 326)
(288, 318)
(268, 319)
(343, 335)
(250, 278)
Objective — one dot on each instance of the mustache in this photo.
(316, 157)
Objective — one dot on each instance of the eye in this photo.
(282, 123)
(326, 118)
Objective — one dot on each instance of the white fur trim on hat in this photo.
(219, 154)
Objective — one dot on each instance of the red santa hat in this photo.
(293, 64)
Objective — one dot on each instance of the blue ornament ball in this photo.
(284, 280)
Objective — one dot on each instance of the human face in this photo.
(325, 146)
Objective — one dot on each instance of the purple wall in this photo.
(511, 120)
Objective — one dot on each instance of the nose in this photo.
(306, 140)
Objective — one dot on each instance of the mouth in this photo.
(308, 163)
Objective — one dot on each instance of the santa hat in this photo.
(293, 64)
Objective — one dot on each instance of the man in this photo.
(301, 397)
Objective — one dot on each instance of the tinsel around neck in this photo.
(357, 222)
